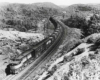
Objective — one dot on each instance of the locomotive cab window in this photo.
(15, 59)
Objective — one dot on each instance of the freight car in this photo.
(19, 63)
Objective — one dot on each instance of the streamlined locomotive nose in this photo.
(8, 70)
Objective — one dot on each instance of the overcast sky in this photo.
(58, 2)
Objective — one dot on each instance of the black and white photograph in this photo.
(49, 39)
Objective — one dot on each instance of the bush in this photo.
(79, 51)
(68, 58)
(54, 68)
(71, 45)
(85, 62)
(94, 38)
(84, 8)
(87, 26)
(77, 22)
(92, 56)
(65, 77)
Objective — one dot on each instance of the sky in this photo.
(57, 2)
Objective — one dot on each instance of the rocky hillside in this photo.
(79, 64)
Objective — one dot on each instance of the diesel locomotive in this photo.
(19, 63)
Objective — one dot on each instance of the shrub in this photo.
(68, 58)
(85, 62)
(77, 22)
(87, 26)
(65, 77)
(92, 56)
(79, 51)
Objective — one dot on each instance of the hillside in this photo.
(81, 10)
(76, 58)
(47, 5)
(23, 17)
(81, 63)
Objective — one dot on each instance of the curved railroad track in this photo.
(25, 74)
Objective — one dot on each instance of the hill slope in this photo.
(23, 17)
(82, 10)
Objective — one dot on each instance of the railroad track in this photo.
(36, 67)
(29, 70)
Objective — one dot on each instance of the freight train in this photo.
(19, 63)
